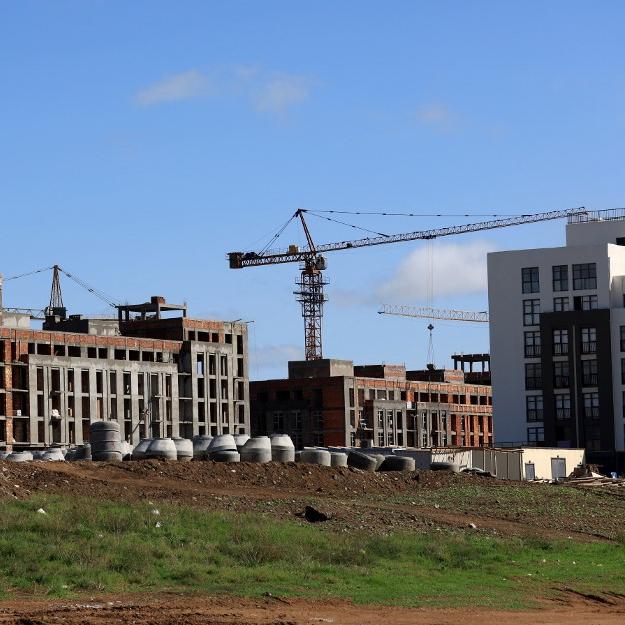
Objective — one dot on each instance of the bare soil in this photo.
(177, 609)
(353, 499)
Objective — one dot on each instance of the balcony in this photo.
(590, 379)
(561, 381)
(589, 347)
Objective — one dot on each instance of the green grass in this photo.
(591, 510)
(86, 546)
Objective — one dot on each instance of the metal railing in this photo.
(611, 214)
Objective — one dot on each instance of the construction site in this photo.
(347, 491)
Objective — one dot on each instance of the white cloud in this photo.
(279, 93)
(267, 92)
(184, 86)
(436, 115)
(457, 269)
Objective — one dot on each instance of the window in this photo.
(533, 376)
(589, 340)
(561, 304)
(531, 312)
(622, 338)
(585, 302)
(532, 344)
(530, 280)
(563, 406)
(622, 370)
(380, 418)
(560, 342)
(278, 422)
(534, 407)
(560, 278)
(591, 405)
(561, 374)
(584, 276)
(589, 372)
(535, 435)
(593, 438)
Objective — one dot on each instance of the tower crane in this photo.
(427, 312)
(56, 305)
(313, 263)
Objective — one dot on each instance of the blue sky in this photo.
(141, 141)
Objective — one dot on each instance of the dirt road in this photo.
(170, 610)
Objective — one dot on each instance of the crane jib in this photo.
(240, 260)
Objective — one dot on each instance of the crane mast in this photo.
(311, 284)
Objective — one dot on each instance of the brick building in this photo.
(332, 402)
(153, 369)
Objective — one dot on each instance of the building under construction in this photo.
(152, 368)
(332, 402)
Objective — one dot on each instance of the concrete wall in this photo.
(541, 458)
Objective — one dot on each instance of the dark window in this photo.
(533, 376)
(593, 438)
(585, 302)
(589, 340)
(278, 422)
(620, 240)
(531, 312)
(534, 407)
(560, 278)
(561, 374)
(589, 372)
(535, 435)
(532, 344)
(591, 405)
(563, 406)
(530, 280)
(585, 276)
(623, 338)
(561, 304)
(560, 342)
(622, 370)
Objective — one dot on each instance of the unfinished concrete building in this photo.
(153, 369)
(332, 402)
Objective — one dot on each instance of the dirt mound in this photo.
(89, 478)
(352, 499)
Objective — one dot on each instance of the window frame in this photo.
(584, 276)
(530, 280)
(560, 278)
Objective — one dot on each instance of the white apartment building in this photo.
(557, 340)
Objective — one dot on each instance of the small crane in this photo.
(427, 312)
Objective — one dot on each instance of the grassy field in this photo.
(86, 546)
(593, 510)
